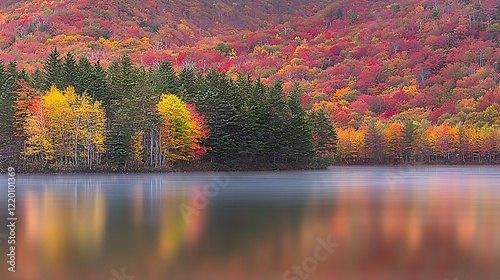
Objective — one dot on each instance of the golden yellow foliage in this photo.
(182, 130)
(350, 143)
(175, 129)
(66, 126)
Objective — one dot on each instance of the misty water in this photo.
(384, 223)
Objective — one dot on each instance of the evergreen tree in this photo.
(324, 135)
(213, 100)
(187, 78)
(7, 98)
(253, 121)
(118, 143)
(354, 16)
(122, 78)
(52, 71)
(69, 73)
(374, 141)
(278, 116)
(37, 80)
(299, 146)
(165, 80)
(98, 87)
(146, 119)
(85, 77)
(260, 121)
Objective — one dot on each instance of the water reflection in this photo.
(391, 223)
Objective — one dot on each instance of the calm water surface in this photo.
(385, 223)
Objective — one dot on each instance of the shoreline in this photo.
(53, 171)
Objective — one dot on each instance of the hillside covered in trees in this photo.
(72, 115)
(406, 81)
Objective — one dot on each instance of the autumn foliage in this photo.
(182, 129)
(408, 81)
(65, 127)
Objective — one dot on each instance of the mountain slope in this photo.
(413, 59)
(78, 25)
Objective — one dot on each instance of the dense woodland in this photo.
(71, 114)
(250, 82)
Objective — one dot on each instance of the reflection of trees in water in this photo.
(90, 220)
(429, 222)
(171, 235)
(79, 221)
(252, 230)
(65, 225)
(172, 227)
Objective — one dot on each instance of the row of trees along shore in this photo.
(75, 115)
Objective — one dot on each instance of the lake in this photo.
(371, 223)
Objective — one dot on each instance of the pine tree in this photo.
(374, 141)
(251, 120)
(99, 88)
(324, 134)
(299, 138)
(10, 80)
(37, 80)
(119, 151)
(213, 99)
(258, 122)
(165, 80)
(52, 71)
(146, 119)
(69, 72)
(278, 116)
(84, 77)
(7, 98)
(188, 92)
(122, 78)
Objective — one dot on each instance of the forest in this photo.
(75, 115)
(299, 84)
